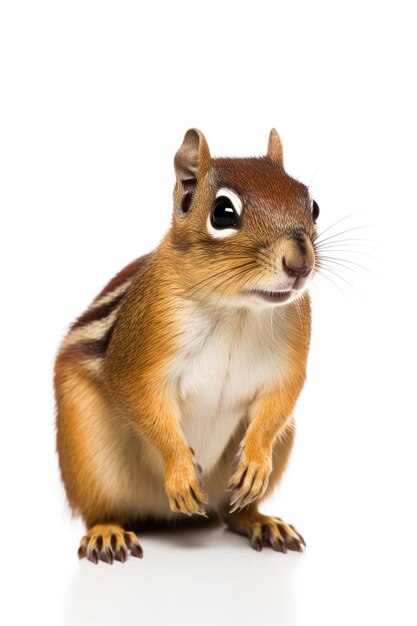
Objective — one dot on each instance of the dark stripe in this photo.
(86, 349)
(97, 313)
(98, 347)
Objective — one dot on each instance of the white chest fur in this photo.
(226, 359)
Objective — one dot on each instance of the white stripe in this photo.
(92, 331)
(108, 297)
(94, 366)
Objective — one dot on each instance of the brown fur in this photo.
(118, 421)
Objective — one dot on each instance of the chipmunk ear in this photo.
(275, 149)
(193, 157)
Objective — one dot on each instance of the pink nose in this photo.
(293, 270)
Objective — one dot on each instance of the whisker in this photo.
(340, 261)
(343, 232)
(243, 269)
(190, 293)
(272, 324)
(315, 174)
(345, 247)
(350, 241)
(342, 219)
(326, 269)
(331, 281)
(370, 256)
(327, 265)
(347, 251)
(226, 270)
(297, 308)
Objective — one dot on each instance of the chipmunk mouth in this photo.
(272, 296)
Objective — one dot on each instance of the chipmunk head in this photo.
(243, 228)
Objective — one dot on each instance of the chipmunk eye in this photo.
(315, 211)
(224, 218)
(224, 214)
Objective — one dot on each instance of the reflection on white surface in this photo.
(203, 576)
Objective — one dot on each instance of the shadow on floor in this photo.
(194, 573)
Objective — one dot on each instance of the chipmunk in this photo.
(175, 389)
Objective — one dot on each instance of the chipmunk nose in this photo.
(294, 270)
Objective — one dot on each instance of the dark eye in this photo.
(224, 214)
(315, 211)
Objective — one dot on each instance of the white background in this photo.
(95, 99)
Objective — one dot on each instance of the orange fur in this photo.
(123, 452)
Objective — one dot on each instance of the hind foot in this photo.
(107, 542)
(264, 530)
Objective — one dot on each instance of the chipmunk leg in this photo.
(182, 474)
(158, 424)
(85, 449)
(270, 418)
(107, 542)
(266, 530)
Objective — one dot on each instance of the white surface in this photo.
(96, 97)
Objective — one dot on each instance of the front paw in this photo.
(183, 486)
(250, 480)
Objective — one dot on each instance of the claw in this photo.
(301, 538)
(93, 556)
(82, 551)
(109, 542)
(121, 554)
(238, 457)
(136, 551)
(194, 496)
(106, 556)
(184, 488)
(278, 545)
(256, 544)
(264, 530)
